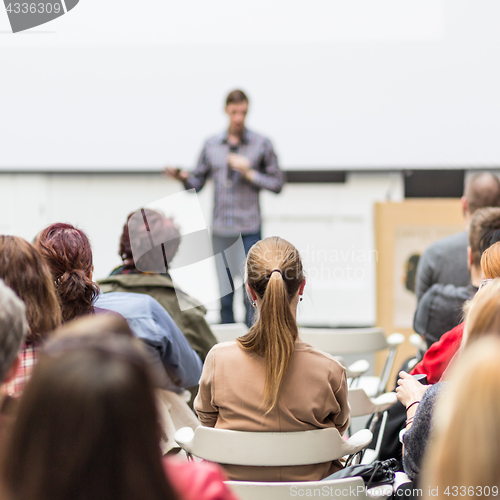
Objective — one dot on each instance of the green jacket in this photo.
(190, 321)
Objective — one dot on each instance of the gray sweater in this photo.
(417, 437)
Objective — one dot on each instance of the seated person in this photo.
(269, 380)
(463, 453)
(483, 318)
(13, 330)
(439, 310)
(68, 253)
(152, 277)
(100, 433)
(484, 232)
(23, 269)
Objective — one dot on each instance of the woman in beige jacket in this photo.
(269, 380)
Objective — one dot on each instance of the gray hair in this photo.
(13, 327)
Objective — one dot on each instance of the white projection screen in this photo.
(123, 85)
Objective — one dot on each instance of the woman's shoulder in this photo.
(318, 354)
(197, 480)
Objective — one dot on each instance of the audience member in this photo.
(445, 261)
(87, 429)
(483, 318)
(463, 455)
(13, 330)
(484, 232)
(69, 255)
(23, 269)
(152, 277)
(282, 383)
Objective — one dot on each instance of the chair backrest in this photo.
(362, 405)
(339, 341)
(269, 448)
(229, 331)
(352, 487)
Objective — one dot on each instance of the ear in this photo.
(13, 369)
(252, 293)
(469, 257)
(301, 288)
(465, 205)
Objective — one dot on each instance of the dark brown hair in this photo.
(69, 256)
(236, 97)
(274, 334)
(87, 427)
(139, 227)
(484, 230)
(24, 270)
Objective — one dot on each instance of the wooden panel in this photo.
(426, 217)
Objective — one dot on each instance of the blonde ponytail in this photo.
(274, 272)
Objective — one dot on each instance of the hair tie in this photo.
(275, 270)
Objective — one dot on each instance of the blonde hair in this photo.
(483, 316)
(464, 451)
(274, 271)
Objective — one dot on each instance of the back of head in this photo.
(482, 190)
(24, 270)
(139, 231)
(87, 426)
(464, 451)
(484, 231)
(274, 271)
(13, 328)
(490, 261)
(483, 316)
(69, 256)
(97, 325)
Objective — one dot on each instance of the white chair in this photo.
(269, 448)
(343, 341)
(352, 487)
(362, 405)
(229, 331)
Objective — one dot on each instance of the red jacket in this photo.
(439, 355)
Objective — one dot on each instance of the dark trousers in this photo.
(221, 243)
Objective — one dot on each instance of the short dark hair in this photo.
(236, 97)
(484, 230)
(482, 190)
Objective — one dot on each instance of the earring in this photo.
(301, 298)
(254, 303)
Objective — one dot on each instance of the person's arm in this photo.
(195, 179)
(271, 177)
(342, 418)
(204, 405)
(182, 364)
(416, 437)
(425, 273)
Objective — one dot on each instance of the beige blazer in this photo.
(313, 395)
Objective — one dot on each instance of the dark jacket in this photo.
(191, 321)
(440, 310)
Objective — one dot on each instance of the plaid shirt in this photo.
(236, 200)
(29, 357)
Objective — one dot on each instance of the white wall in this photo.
(331, 224)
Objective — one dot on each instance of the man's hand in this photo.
(176, 173)
(241, 164)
